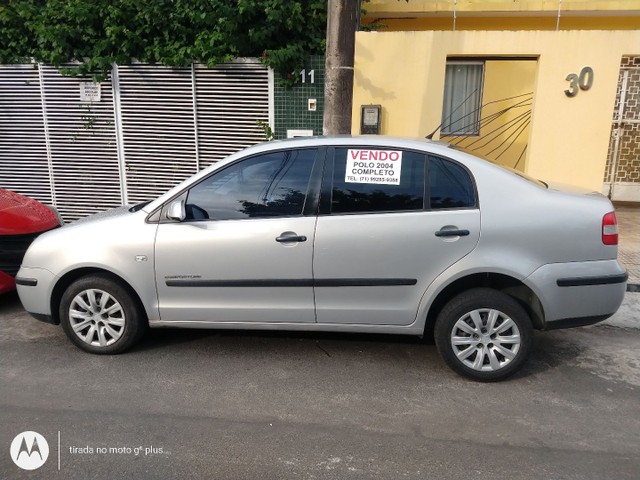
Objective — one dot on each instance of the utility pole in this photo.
(342, 22)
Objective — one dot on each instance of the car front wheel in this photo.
(100, 316)
(484, 334)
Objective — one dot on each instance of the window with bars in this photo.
(462, 98)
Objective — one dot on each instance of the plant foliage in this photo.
(94, 34)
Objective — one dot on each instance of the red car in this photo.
(22, 219)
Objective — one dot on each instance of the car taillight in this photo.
(610, 229)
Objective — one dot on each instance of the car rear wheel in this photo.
(100, 316)
(484, 334)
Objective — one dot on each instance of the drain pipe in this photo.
(558, 20)
(455, 4)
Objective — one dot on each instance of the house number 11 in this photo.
(584, 81)
(310, 73)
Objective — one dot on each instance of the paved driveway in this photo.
(234, 405)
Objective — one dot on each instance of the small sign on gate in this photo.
(89, 91)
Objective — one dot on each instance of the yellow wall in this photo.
(481, 7)
(507, 23)
(504, 79)
(569, 137)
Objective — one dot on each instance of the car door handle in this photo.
(452, 233)
(290, 237)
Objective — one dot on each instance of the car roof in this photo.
(422, 144)
(346, 140)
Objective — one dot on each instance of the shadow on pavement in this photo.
(9, 302)
(550, 349)
(161, 338)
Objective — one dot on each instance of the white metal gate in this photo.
(156, 107)
(81, 145)
(622, 176)
(151, 128)
(24, 165)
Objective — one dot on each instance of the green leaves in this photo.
(93, 35)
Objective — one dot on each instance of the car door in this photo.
(390, 222)
(243, 252)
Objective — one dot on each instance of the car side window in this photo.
(268, 185)
(377, 180)
(450, 185)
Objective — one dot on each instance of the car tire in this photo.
(484, 334)
(100, 316)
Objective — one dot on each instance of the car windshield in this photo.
(540, 183)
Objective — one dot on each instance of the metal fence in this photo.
(622, 175)
(84, 148)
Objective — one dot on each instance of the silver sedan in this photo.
(368, 234)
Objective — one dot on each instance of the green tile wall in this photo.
(291, 110)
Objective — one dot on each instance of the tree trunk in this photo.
(342, 21)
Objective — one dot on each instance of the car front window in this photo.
(267, 185)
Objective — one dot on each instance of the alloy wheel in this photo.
(485, 340)
(96, 317)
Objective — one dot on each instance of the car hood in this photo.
(97, 217)
(21, 215)
(90, 238)
(76, 230)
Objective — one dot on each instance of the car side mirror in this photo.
(176, 211)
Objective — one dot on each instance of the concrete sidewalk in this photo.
(629, 243)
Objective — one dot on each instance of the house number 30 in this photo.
(584, 81)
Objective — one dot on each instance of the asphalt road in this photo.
(238, 405)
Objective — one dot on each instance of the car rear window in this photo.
(362, 182)
(450, 185)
